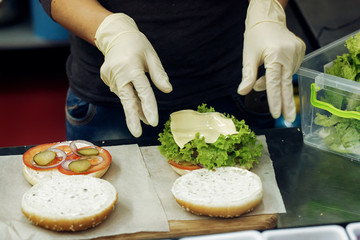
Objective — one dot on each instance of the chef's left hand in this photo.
(268, 41)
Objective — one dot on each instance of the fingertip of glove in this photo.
(275, 115)
(290, 118)
(247, 81)
(165, 86)
(260, 84)
(153, 122)
(136, 132)
(168, 88)
(151, 119)
(161, 80)
(244, 88)
(275, 110)
(259, 89)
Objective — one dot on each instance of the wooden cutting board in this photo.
(182, 228)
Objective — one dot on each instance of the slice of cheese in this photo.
(186, 123)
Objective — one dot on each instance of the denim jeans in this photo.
(96, 122)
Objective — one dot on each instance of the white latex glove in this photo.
(268, 41)
(128, 54)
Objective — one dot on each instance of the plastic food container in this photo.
(325, 98)
(353, 230)
(243, 235)
(329, 232)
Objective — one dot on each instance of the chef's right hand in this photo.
(128, 54)
(268, 41)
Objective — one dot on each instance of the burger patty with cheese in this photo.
(208, 139)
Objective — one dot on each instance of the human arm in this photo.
(82, 23)
(268, 41)
(127, 56)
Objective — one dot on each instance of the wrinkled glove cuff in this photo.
(264, 11)
(113, 26)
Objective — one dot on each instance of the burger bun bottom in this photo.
(69, 203)
(224, 192)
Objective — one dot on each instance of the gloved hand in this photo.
(128, 54)
(268, 41)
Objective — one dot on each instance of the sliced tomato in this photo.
(105, 163)
(29, 155)
(183, 165)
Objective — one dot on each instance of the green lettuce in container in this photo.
(343, 134)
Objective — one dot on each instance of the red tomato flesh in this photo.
(29, 155)
(185, 166)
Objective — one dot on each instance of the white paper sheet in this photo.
(137, 207)
(143, 179)
(163, 177)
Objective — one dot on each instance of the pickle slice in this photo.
(88, 152)
(44, 158)
(80, 166)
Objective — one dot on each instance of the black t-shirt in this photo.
(199, 44)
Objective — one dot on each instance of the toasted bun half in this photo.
(223, 192)
(71, 203)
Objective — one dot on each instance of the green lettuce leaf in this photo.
(340, 134)
(326, 121)
(348, 65)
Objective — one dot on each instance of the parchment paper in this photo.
(137, 207)
(163, 177)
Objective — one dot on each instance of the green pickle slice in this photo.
(88, 152)
(44, 158)
(80, 166)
